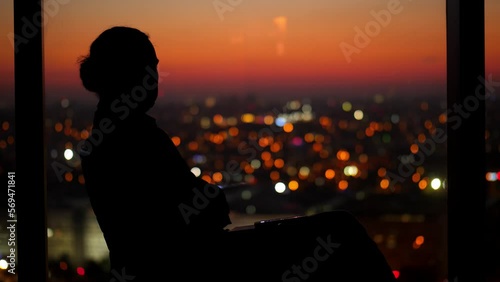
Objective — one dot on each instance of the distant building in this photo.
(75, 234)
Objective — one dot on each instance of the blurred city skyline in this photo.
(296, 156)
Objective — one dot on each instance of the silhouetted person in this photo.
(135, 177)
(161, 222)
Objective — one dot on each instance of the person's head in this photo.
(121, 61)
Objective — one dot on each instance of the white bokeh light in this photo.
(68, 154)
(280, 187)
(196, 171)
(435, 183)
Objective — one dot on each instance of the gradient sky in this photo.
(261, 46)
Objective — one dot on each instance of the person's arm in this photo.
(211, 204)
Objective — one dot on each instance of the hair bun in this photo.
(89, 74)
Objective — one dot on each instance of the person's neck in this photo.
(117, 112)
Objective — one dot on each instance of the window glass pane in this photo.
(7, 149)
(7, 122)
(492, 42)
(492, 136)
(323, 105)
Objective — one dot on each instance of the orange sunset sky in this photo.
(270, 47)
